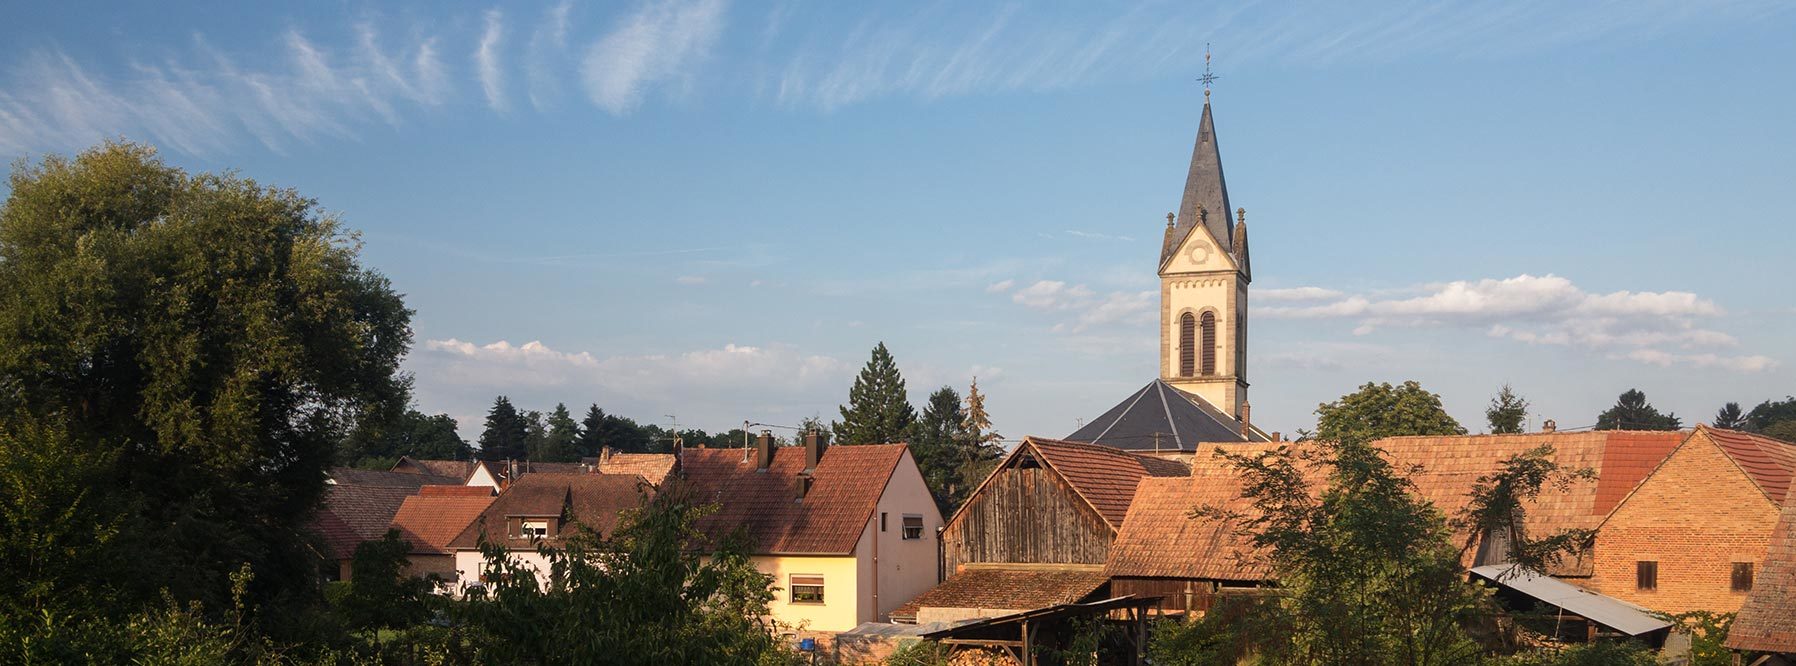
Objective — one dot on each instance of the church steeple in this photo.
(1206, 199)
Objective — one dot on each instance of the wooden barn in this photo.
(1047, 514)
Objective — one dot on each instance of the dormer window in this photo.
(533, 528)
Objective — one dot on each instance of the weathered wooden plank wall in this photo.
(1026, 515)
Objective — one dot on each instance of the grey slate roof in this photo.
(1206, 190)
(1160, 417)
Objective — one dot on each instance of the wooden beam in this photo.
(981, 642)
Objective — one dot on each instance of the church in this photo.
(1201, 393)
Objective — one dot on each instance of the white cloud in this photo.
(486, 60)
(502, 366)
(1089, 308)
(1000, 286)
(1544, 310)
(548, 45)
(656, 43)
(1096, 236)
(1296, 294)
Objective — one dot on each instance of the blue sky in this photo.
(714, 209)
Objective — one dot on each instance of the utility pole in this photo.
(673, 431)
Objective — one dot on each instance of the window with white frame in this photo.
(913, 527)
(806, 588)
(534, 529)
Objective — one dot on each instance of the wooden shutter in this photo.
(1187, 345)
(1742, 577)
(1646, 575)
(1209, 343)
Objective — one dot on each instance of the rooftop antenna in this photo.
(673, 431)
(1208, 77)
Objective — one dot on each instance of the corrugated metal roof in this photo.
(1604, 610)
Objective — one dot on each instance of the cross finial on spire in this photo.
(1208, 77)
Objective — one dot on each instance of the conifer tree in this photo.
(977, 426)
(1507, 412)
(878, 410)
(936, 446)
(1632, 412)
(1730, 417)
(559, 438)
(591, 429)
(506, 434)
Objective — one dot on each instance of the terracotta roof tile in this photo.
(593, 500)
(1104, 476)
(373, 477)
(339, 538)
(455, 469)
(1159, 539)
(1770, 462)
(368, 510)
(999, 587)
(1767, 621)
(431, 520)
(652, 467)
(845, 490)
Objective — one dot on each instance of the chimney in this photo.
(1246, 425)
(764, 450)
(801, 484)
(1549, 426)
(813, 449)
(1278, 436)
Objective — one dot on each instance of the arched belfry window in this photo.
(1208, 343)
(1187, 345)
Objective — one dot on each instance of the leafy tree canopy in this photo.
(1632, 412)
(378, 443)
(1383, 410)
(1769, 413)
(198, 344)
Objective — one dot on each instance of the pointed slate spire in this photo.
(1204, 191)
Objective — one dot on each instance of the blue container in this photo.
(807, 645)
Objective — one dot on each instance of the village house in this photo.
(431, 519)
(542, 508)
(1037, 529)
(1767, 621)
(1164, 551)
(358, 506)
(848, 532)
(1693, 534)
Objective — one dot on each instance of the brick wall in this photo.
(1696, 516)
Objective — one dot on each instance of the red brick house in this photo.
(1693, 534)
(1767, 621)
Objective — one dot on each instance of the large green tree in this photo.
(1770, 413)
(1383, 410)
(193, 346)
(560, 436)
(1632, 412)
(507, 434)
(935, 443)
(878, 409)
(1507, 412)
(1729, 417)
(378, 443)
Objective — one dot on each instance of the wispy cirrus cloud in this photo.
(486, 60)
(1543, 310)
(1088, 308)
(654, 44)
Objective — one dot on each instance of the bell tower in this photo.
(1204, 274)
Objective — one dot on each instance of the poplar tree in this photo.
(878, 410)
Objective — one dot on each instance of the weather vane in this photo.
(1208, 78)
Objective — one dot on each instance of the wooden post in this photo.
(1028, 646)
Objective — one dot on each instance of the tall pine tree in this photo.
(1632, 412)
(507, 433)
(878, 411)
(558, 443)
(936, 446)
(1730, 417)
(592, 429)
(1507, 412)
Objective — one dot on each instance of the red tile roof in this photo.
(1770, 462)
(1767, 621)
(431, 520)
(1159, 539)
(1104, 477)
(844, 492)
(455, 469)
(368, 510)
(593, 500)
(652, 467)
(339, 538)
(1008, 588)
(373, 477)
